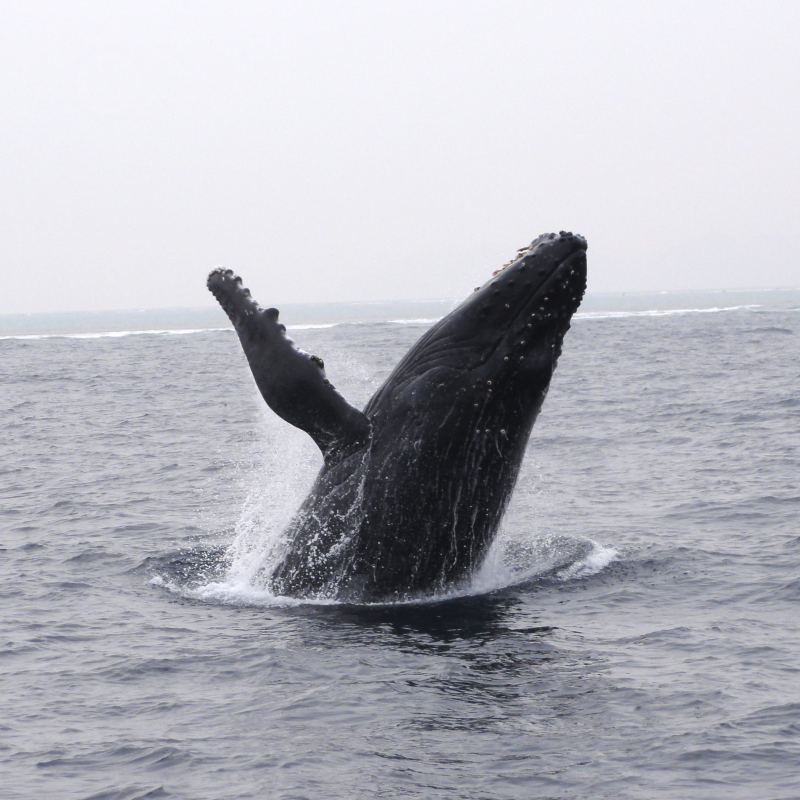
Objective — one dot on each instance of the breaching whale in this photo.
(413, 488)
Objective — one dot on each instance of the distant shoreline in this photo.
(305, 314)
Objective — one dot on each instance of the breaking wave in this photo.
(589, 315)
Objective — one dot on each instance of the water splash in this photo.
(275, 485)
(517, 556)
(278, 482)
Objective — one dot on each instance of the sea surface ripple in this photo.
(635, 632)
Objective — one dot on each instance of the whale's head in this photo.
(493, 355)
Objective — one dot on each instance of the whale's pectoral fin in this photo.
(292, 382)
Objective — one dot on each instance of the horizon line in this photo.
(439, 301)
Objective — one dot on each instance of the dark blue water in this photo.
(634, 634)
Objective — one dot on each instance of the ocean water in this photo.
(634, 633)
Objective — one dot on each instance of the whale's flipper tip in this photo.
(292, 382)
(231, 294)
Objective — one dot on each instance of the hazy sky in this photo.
(381, 150)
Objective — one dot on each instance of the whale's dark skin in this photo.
(412, 489)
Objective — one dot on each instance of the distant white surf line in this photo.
(367, 322)
(312, 327)
(590, 315)
(581, 315)
(186, 331)
(110, 334)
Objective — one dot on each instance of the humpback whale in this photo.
(413, 488)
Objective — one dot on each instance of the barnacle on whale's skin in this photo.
(413, 487)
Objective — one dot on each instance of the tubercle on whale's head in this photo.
(547, 277)
(524, 311)
(520, 315)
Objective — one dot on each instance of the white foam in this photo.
(591, 315)
(246, 595)
(112, 334)
(581, 315)
(165, 332)
(277, 485)
(188, 331)
(312, 327)
(596, 561)
(517, 557)
(560, 558)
